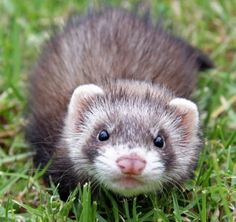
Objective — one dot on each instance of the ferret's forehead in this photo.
(137, 109)
(132, 114)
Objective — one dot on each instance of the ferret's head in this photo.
(131, 137)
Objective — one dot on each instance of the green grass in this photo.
(211, 196)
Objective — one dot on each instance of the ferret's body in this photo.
(129, 74)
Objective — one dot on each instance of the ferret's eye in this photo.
(159, 141)
(103, 135)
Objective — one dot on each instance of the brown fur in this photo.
(105, 46)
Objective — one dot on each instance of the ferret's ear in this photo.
(188, 112)
(81, 94)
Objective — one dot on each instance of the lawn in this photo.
(211, 196)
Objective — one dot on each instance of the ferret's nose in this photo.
(131, 164)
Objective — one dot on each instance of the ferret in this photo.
(109, 103)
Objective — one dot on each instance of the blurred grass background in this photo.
(211, 196)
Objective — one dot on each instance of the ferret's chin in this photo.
(128, 182)
(128, 186)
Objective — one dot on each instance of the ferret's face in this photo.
(131, 145)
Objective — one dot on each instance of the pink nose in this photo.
(131, 164)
